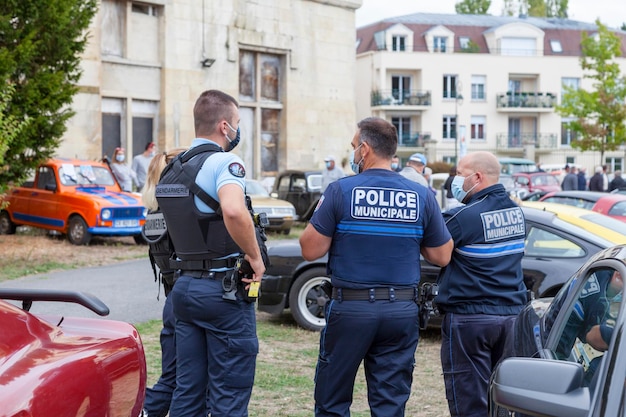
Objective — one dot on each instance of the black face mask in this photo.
(232, 143)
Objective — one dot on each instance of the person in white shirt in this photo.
(414, 169)
(331, 173)
(141, 163)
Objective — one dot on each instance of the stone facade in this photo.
(290, 64)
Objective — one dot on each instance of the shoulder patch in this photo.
(237, 170)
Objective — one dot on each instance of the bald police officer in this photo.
(374, 226)
(482, 290)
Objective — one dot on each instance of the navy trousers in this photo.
(471, 346)
(216, 348)
(383, 335)
(159, 397)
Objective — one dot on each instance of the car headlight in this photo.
(106, 214)
(144, 213)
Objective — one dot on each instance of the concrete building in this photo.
(458, 83)
(290, 64)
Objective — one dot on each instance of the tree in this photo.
(472, 6)
(556, 8)
(598, 114)
(10, 127)
(40, 46)
(536, 8)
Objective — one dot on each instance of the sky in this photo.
(611, 12)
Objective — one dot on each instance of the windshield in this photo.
(85, 175)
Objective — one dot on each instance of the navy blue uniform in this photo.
(481, 291)
(216, 341)
(377, 220)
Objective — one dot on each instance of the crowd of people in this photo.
(380, 212)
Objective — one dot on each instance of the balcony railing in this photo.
(401, 98)
(413, 139)
(546, 141)
(526, 100)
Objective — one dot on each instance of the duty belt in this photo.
(373, 294)
(204, 274)
(202, 264)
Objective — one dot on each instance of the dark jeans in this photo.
(382, 334)
(216, 347)
(159, 397)
(471, 346)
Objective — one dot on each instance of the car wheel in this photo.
(7, 227)
(77, 232)
(307, 300)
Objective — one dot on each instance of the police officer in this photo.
(159, 397)
(373, 226)
(482, 290)
(201, 194)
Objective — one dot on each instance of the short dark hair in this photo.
(212, 107)
(149, 145)
(380, 135)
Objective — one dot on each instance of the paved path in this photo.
(127, 288)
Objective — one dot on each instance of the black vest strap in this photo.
(185, 174)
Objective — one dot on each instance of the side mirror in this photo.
(540, 387)
(51, 187)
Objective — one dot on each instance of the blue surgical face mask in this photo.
(457, 188)
(233, 142)
(328, 164)
(394, 165)
(356, 166)
(119, 158)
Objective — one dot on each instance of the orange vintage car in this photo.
(74, 197)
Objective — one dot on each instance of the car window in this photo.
(570, 201)
(283, 184)
(619, 209)
(85, 174)
(45, 178)
(298, 185)
(315, 182)
(521, 180)
(584, 321)
(544, 243)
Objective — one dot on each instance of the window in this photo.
(134, 36)
(439, 43)
(567, 134)
(400, 87)
(398, 43)
(614, 163)
(478, 87)
(449, 86)
(555, 44)
(403, 126)
(518, 46)
(261, 100)
(569, 83)
(544, 243)
(478, 127)
(449, 127)
(464, 42)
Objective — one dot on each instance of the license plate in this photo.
(125, 223)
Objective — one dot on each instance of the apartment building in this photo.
(458, 83)
(290, 64)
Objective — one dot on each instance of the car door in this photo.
(579, 324)
(44, 200)
(551, 256)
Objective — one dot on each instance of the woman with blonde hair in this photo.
(124, 175)
(156, 167)
(159, 397)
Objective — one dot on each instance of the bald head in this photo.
(480, 169)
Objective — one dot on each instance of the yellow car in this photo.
(280, 213)
(599, 224)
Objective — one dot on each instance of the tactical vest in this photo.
(160, 249)
(198, 237)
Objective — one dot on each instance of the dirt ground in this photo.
(31, 251)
